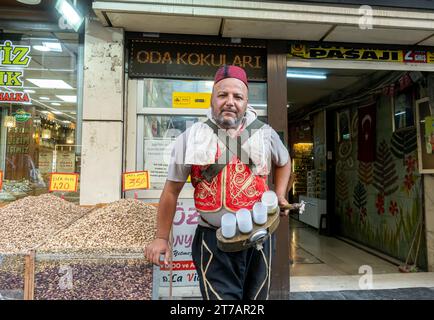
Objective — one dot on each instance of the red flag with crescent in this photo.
(366, 133)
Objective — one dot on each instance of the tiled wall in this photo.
(386, 222)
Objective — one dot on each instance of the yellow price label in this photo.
(135, 180)
(63, 182)
(191, 100)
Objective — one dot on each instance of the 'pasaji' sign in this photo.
(135, 180)
(63, 182)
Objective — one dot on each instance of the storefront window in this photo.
(160, 93)
(38, 111)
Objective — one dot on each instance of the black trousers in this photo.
(243, 275)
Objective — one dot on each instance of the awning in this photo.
(271, 20)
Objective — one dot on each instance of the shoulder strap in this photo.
(214, 169)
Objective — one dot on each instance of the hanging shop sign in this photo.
(183, 59)
(191, 100)
(13, 59)
(360, 54)
(137, 180)
(63, 182)
(22, 116)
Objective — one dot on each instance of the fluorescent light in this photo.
(29, 91)
(400, 113)
(57, 112)
(49, 46)
(41, 48)
(32, 2)
(44, 98)
(306, 75)
(70, 14)
(66, 121)
(72, 99)
(50, 84)
(53, 46)
(55, 104)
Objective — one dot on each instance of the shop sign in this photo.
(135, 180)
(191, 100)
(13, 59)
(183, 273)
(183, 59)
(63, 182)
(360, 54)
(22, 116)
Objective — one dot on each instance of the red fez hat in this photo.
(227, 71)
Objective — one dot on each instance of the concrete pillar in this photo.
(278, 120)
(429, 218)
(103, 109)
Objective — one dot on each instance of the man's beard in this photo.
(228, 123)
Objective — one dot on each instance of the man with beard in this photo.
(228, 157)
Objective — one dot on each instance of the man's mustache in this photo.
(233, 110)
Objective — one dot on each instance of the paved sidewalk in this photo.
(390, 294)
(358, 282)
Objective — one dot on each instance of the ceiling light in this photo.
(305, 75)
(69, 13)
(53, 46)
(41, 48)
(46, 134)
(32, 2)
(72, 99)
(29, 91)
(49, 46)
(50, 84)
(57, 112)
(55, 103)
(44, 98)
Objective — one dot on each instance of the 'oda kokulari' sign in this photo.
(194, 60)
(13, 58)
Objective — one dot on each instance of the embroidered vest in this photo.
(233, 188)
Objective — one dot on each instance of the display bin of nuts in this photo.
(122, 276)
(54, 249)
(99, 256)
(12, 270)
(26, 223)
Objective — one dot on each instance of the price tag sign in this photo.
(135, 180)
(63, 182)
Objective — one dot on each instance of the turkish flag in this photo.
(366, 133)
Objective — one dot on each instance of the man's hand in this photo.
(283, 202)
(155, 249)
